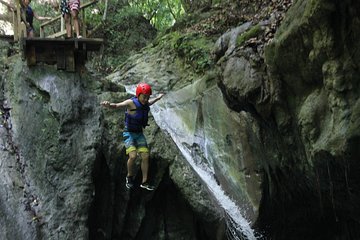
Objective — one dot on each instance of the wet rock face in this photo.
(49, 138)
(279, 128)
(302, 95)
(64, 167)
(277, 123)
(318, 90)
(51, 148)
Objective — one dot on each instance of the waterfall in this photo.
(232, 212)
(170, 114)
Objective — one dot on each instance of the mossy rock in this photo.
(252, 32)
(195, 50)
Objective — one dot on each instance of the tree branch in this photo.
(105, 11)
(171, 11)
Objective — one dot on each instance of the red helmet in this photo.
(143, 88)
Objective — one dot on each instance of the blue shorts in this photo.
(29, 29)
(135, 141)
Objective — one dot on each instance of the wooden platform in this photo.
(67, 54)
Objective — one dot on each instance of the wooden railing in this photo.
(20, 28)
(62, 31)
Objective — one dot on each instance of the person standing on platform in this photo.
(70, 8)
(27, 15)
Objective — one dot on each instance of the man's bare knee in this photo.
(144, 155)
(132, 155)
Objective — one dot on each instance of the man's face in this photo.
(144, 98)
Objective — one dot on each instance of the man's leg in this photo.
(144, 166)
(74, 14)
(30, 33)
(145, 171)
(67, 25)
(130, 167)
(130, 163)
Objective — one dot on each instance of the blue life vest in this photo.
(136, 122)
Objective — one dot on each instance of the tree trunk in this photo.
(106, 9)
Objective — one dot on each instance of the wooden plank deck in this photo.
(67, 54)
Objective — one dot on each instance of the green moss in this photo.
(252, 32)
(195, 50)
(166, 41)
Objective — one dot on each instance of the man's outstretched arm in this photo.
(108, 104)
(154, 100)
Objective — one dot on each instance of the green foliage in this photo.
(125, 33)
(196, 51)
(161, 13)
(119, 32)
(94, 15)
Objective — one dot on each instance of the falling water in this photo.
(235, 219)
(170, 121)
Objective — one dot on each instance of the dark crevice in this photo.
(117, 213)
(236, 104)
(100, 221)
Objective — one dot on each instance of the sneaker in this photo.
(129, 182)
(147, 186)
(79, 36)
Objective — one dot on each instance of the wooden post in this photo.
(83, 27)
(21, 27)
(18, 20)
(69, 59)
(15, 24)
(42, 32)
(31, 56)
(60, 58)
(62, 24)
(14, 16)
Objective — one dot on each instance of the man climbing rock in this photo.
(136, 119)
